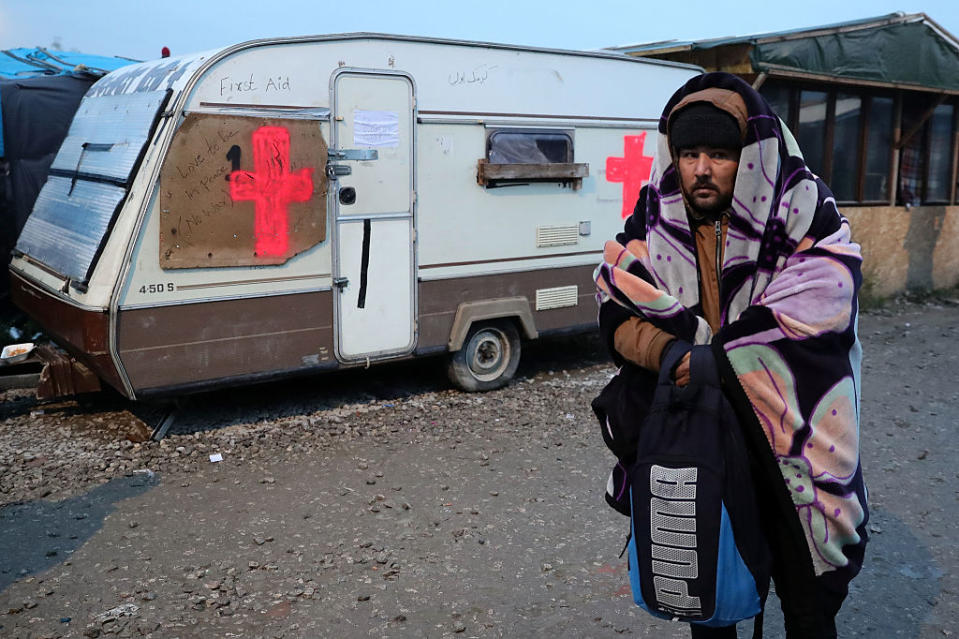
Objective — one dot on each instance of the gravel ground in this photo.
(381, 503)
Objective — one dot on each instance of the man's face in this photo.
(708, 175)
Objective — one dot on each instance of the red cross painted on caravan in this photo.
(272, 187)
(632, 170)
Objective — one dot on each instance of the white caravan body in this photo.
(288, 206)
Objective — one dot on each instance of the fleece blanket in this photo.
(787, 345)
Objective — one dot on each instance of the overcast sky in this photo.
(139, 29)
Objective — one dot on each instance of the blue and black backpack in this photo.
(697, 552)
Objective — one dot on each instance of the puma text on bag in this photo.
(696, 549)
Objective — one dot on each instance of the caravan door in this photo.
(374, 258)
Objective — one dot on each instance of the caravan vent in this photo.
(556, 235)
(559, 297)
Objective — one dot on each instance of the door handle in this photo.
(334, 171)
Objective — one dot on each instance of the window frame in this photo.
(866, 95)
(927, 157)
(494, 174)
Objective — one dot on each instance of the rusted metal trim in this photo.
(47, 290)
(537, 116)
(269, 280)
(40, 265)
(510, 259)
(235, 105)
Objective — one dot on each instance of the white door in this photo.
(374, 262)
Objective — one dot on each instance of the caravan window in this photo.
(515, 146)
(523, 156)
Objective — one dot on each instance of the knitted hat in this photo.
(702, 124)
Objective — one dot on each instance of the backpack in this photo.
(697, 552)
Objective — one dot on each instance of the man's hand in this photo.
(681, 374)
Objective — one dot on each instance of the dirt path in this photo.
(381, 503)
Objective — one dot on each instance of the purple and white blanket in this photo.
(787, 346)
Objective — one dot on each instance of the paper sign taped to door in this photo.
(376, 128)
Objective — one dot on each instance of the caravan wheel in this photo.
(488, 359)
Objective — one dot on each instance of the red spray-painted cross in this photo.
(272, 187)
(632, 170)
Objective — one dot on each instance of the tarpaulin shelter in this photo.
(40, 91)
(827, 81)
(874, 105)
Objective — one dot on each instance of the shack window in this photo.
(845, 147)
(778, 96)
(848, 137)
(878, 149)
(812, 128)
(940, 154)
(521, 156)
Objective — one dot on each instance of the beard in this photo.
(706, 199)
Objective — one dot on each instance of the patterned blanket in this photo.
(787, 345)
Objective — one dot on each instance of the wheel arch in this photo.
(468, 313)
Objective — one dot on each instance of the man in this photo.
(736, 244)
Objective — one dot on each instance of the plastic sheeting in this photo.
(38, 113)
(911, 53)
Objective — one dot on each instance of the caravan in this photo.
(289, 206)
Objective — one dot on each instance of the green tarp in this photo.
(907, 53)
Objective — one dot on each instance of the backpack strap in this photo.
(702, 366)
(702, 363)
(675, 351)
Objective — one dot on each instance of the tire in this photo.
(488, 359)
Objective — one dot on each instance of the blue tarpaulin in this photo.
(18, 64)
(30, 63)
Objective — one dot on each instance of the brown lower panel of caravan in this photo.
(196, 346)
(81, 332)
(439, 300)
(189, 344)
